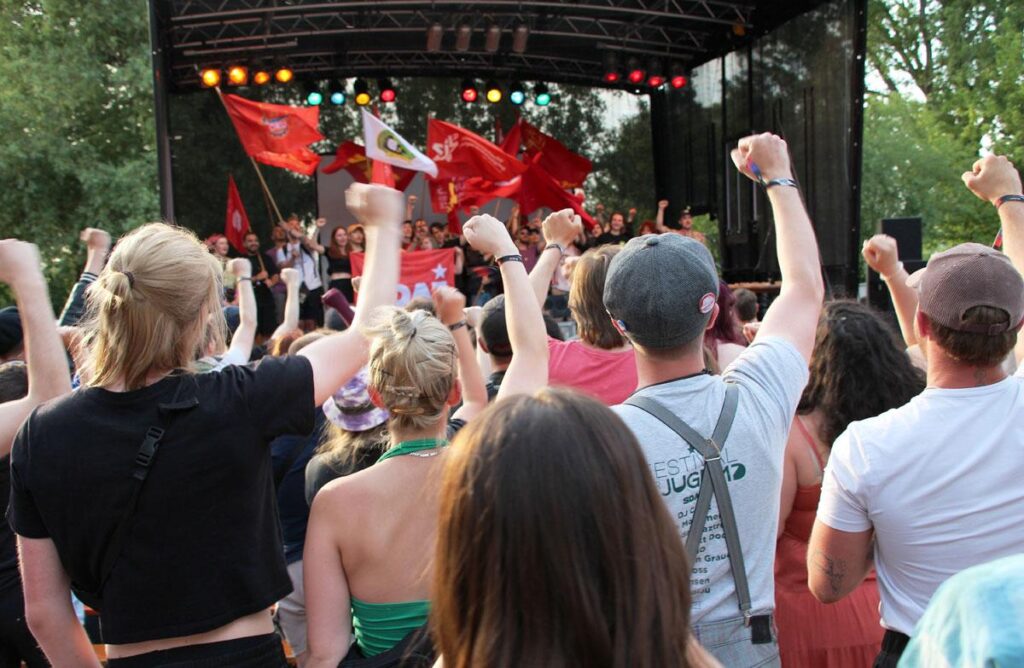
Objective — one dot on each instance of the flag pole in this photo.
(266, 189)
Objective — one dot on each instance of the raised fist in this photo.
(290, 277)
(95, 239)
(412, 199)
(768, 152)
(474, 315)
(448, 304)
(320, 222)
(992, 177)
(662, 204)
(750, 330)
(562, 227)
(881, 254)
(488, 235)
(632, 212)
(374, 205)
(240, 267)
(19, 260)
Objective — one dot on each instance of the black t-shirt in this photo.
(339, 265)
(203, 548)
(609, 238)
(9, 576)
(259, 287)
(294, 452)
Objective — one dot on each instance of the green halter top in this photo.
(409, 447)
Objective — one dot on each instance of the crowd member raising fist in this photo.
(167, 467)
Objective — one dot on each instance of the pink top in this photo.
(607, 376)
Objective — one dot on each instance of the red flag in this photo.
(459, 152)
(540, 189)
(568, 169)
(276, 134)
(422, 271)
(236, 223)
(513, 139)
(351, 157)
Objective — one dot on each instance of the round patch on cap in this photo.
(651, 241)
(707, 302)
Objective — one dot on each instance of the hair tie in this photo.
(131, 278)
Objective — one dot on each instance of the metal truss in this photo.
(567, 41)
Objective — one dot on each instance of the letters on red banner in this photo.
(422, 271)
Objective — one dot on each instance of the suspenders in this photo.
(712, 483)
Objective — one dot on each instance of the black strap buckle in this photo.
(760, 629)
(148, 450)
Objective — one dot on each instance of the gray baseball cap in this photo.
(661, 289)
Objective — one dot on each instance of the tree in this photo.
(624, 170)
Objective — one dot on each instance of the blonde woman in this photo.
(371, 534)
(175, 540)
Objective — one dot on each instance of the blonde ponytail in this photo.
(412, 366)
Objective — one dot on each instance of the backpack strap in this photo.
(711, 450)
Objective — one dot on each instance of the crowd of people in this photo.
(211, 453)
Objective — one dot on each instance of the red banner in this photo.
(236, 223)
(567, 168)
(422, 271)
(460, 153)
(276, 134)
(541, 190)
(352, 158)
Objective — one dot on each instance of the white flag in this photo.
(386, 145)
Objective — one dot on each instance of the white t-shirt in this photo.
(771, 375)
(307, 266)
(941, 480)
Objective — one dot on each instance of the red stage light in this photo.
(469, 92)
(679, 81)
(655, 80)
(387, 95)
(611, 77)
(636, 76)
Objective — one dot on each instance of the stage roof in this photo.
(566, 42)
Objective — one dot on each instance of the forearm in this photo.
(380, 275)
(659, 220)
(74, 307)
(904, 301)
(543, 272)
(245, 335)
(290, 322)
(474, 388)
(47, 365)
(1011, 217)
(797, 247)
(528, 371)
(62, 638)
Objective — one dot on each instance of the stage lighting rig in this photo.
(469, 92)
(541, 95)
(238, 75)
(362, 93)
(516, 94)
(210, 76)
(636, 73)
(313, 95)
(387, 90)
(337, 89)
(493, 92)
(284, 75)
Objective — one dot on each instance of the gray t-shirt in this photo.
(771, 375)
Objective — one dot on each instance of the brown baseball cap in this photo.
(966, 276)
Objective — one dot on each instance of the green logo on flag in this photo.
(393, 146)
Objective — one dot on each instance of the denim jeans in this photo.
(729, 642)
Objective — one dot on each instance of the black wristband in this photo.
(780, 182)
(509, 258)
(560, 247)
(1009, 198)
(458, 325)
(243, 278)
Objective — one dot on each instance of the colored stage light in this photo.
(494, 93)
(337, 90)
(541, 95)
(656, 75)
(337, 97)
(636, 72)
(362, 93)
(611, 67)
(284, 75)
(210, 77)
(469, 92)
(314, 98)
(679, 81)
(655, 80)
(387, 90)
(261, 77)
(516, 94)
(238, 75)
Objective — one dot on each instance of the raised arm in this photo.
(449, 304)
(338, 357)
(528, 371)
(882, 255)
(659, 218)
(794, 313)
(292, 281)
(560, 229)
(311, 242)
(44, 352)
(97, 243)
(991, 178)
(245, 334)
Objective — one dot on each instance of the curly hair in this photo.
(858, 369)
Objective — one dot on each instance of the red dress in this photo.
(846, 634)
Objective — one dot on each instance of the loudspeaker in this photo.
(907, 233)
(878, 293)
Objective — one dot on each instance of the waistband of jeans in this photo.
(236, 649)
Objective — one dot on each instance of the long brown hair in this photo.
(586, 299)
(553, 546)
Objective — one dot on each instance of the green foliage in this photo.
(76, 109)
(912, 167)
(624, 169)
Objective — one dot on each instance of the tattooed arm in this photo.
(837, 561)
